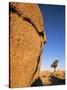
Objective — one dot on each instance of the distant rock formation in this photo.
(26, 39)
(51, 78)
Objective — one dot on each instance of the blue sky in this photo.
(54, 23)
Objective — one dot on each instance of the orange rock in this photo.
(27, 38)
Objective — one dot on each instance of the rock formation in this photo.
(50, 78)
(26, 37)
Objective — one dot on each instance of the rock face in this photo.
(26, 39)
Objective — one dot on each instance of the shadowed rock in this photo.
(37, 82)
(57, 81)
(50, 78)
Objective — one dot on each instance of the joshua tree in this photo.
(55, 64)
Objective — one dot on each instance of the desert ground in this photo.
(52, 78)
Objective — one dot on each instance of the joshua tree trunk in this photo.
(54, 70)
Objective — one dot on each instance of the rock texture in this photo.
(26, 39)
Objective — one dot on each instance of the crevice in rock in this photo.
(29, 20)
(14, 10)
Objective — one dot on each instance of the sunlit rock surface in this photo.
(26, 38)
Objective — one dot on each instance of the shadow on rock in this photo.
(37, 82)
(57, 81)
